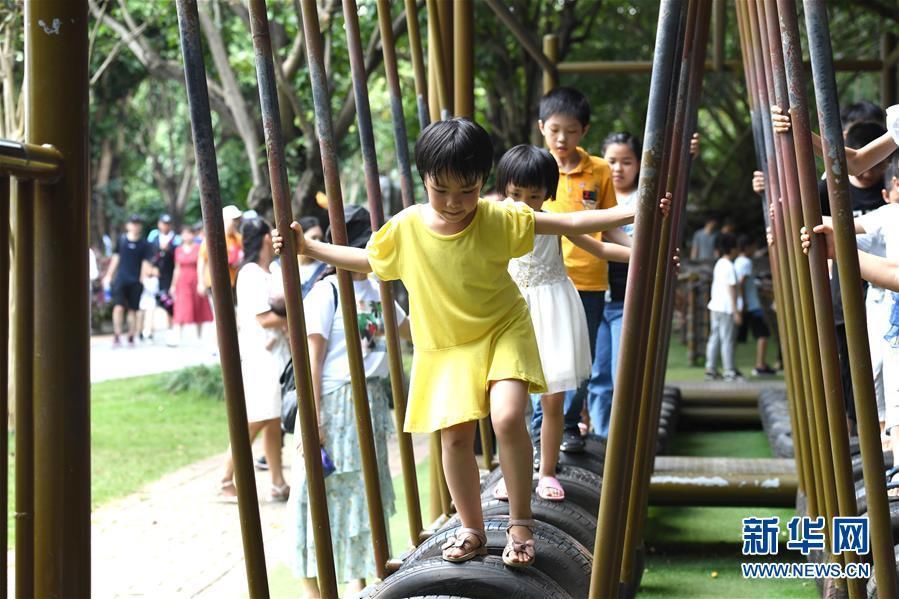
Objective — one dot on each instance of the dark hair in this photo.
(528, 166)
(187, 227)
(456, 148)
(744, 242)
(567, 101)
(624, 138)
(862, 112)
(726, 243)
(861, 134)
(310, 222)
(253, 231)
(892, 170)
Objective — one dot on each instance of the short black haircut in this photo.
(862, 112)
(310, 222)
(861, 134)
(456, 148)
(567, 101)
(726, 243)
(253, 231)
(892, 170)
(624, 138)
(528, 166)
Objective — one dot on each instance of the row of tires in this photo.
(564, 532)
(775, 417)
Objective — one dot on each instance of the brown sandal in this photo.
(462, 538)
(514, 546)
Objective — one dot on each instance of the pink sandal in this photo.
(464, 538)
(550, 489)
(500, 492)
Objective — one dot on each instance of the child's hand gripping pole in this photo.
(298, 239)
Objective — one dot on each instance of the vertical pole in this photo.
(376, 212)
(821, 54)
(394, 353)
(23, 348)
(445, 22)
(888, 79)
(551, 49)
(56, 110)
(607, 549)
(400, 137)
(822, 350)
(5, 198)
(463, 61)
(225, 321)
(437, 65)
(719, 20)
(418, 67)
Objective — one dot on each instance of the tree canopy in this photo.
(142, 158)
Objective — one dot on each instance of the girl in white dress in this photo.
(529, 174)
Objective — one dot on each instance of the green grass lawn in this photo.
(140, 431)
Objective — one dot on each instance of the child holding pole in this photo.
(475, 348)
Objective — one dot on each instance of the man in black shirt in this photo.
(865, 193)
(129, 265)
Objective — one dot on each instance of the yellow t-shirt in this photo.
(586, 187)
(470, 324)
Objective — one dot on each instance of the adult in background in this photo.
(263, 355)
(165, 241)
(705, 241)
(191, 308)
(231, 215)
(129, 265)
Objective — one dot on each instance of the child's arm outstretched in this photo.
(857, 161)
(590, 221)
(341, 256)
(605, 251)
(875, 269)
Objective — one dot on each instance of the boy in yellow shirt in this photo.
(585, 183)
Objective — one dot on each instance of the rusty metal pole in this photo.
(400, 137)
(56, 110)
(415, 51)
(826, 492)
(225, 321)
(822, 349)
(23, 348)
(437, 74)
(376, 212)
(394, 352)
(821, 54)
(445, 22)
(888, 79)
(689, 88)
(268, 96)
(604, 577)
(794, 396)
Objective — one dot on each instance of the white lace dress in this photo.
(557, 313)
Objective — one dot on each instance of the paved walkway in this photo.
(108, 363)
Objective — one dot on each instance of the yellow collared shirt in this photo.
(588, 186)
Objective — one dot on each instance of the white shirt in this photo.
(883, 223)
(325, 318)
(723, 278)
(253, 292)
(743, 268)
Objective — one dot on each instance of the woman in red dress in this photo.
(190, 306)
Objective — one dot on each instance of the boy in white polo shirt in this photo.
(725, 312)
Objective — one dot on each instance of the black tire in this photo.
(564, 515)
(559, 556)
(592, 458)
(582, 487)
(479, 578)
(857, 463)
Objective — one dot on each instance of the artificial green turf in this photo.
(696, 551)
(679, 368)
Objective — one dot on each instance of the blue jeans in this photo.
(605, 366)
(593, 302)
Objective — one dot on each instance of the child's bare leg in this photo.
(507, 405)
(461, 470)
(551, 432)
(761, 346)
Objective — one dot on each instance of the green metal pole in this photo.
(821, 54)
(5, 199)
(415, 51)
(56, 111)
